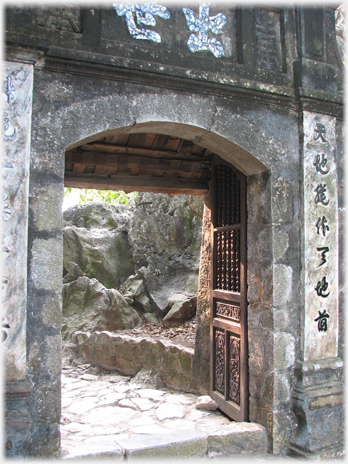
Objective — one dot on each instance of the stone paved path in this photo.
(111, 416)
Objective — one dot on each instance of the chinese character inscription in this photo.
(320, 133)
(321, 234)
(320, 164)
(322, 321)
(203, 26)
(144, 13)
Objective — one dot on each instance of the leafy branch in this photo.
(103, 196)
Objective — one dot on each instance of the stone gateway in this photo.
(242, 106)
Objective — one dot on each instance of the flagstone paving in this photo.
(109, 416)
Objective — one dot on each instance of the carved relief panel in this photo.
(16, 129)
(268, 27)
(61, 19)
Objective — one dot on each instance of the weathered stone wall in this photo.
(201, 360)
(16, 135)
(219, 116)
(341, 153)
(245, 125)
(260, 298)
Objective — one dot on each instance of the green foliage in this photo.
(103, 196)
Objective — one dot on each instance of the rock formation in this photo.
(128, 265)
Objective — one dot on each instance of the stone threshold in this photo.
(243, 439)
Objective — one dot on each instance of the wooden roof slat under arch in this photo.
(140, 162)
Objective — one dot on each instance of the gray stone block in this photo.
(174, 445)
(53, 346)
(259, 186)
(284, 355)
(240, 438)
(91, 452)
(47, 202)
(282, 201)
(260, 284)
(281, 387)
(280, 242)
(51, 308)
(282, 277)
(46, 264)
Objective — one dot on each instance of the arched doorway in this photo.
(162, 163)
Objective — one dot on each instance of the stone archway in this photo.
(114, 108)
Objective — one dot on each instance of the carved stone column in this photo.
(318, 393)
(317, 397)
(17, 85)
(16, 132)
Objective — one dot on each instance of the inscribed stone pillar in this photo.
(318, 393)
(16, 130)
(321, 237)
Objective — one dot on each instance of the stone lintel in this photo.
(23, 55)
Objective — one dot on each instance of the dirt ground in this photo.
(183, 335)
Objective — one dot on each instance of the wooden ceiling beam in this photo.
(149, 152)
(137, 184)
(136, 162)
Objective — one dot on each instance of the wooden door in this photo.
(228, 328)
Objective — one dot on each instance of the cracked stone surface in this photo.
(109, 416)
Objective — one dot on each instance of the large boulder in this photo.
(95, 238)
(98, 215)
(74, 272)
(162, 228)
(134, 291)
(148, 251)
(89, 306)
(180, 309)
(165, 236)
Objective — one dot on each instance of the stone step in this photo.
(235, 439)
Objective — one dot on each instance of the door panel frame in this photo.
(233, 410)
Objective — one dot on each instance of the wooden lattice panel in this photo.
(228, 260)
(227, 196)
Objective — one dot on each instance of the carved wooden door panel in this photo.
(228, 328)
